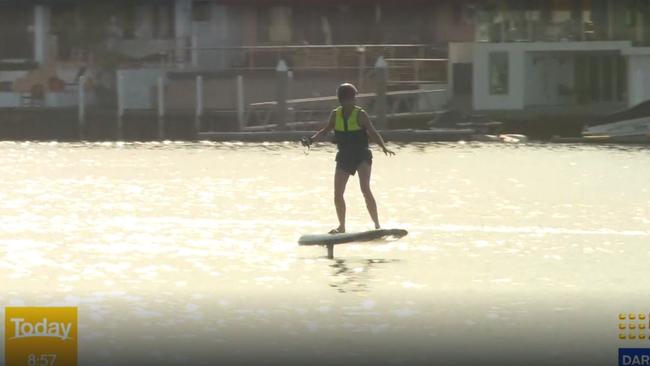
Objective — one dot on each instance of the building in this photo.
(549, 57)
(71, 29)
(54, 42)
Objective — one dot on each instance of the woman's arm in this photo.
(328, 127)
(364, 121)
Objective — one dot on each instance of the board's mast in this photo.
(330, 251)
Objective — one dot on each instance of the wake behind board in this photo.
(332, 239)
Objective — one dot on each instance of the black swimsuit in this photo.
(353, 149)
(350, 162)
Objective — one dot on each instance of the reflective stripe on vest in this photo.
(353, 120)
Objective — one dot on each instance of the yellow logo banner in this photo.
(40, 336)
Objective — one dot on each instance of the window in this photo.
(498, 72)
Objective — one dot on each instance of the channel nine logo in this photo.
(634, 328)
(40, 336)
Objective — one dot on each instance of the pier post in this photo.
(362, 67)
(161, 108)
(194, 44)
(82, 107)
(601, 78)
(282, 71)
(182, 29)
(41, 30)
(381, 72)
(241, 105)
(120, 106)
(614, 75)
(199, 106)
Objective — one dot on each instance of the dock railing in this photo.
(282, 112)
(310, 112)
(407, 63)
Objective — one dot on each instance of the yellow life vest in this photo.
(352, 123)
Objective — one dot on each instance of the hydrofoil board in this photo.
(332, 239)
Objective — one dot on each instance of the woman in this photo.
(352, 127)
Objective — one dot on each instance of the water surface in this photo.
(186, 253)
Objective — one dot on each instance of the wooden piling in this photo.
(241, 105)
(381, 72)
(615, 81)
(601, 77)
(194, 46)
(161, 107)
(362, 67)
(199, 106)
(82, 108)
(120, 106)
(282, 71)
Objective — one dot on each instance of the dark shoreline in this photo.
(61, 124)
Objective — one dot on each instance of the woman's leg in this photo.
(340, 180)
(365, 169)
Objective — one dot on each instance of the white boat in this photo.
(629, 125)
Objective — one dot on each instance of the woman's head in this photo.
(347, 94)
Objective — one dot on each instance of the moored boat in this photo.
(629, 125)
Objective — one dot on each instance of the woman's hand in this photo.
(388, 152)
(306, 141)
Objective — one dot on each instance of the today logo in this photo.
(44, 328)
(40, 336)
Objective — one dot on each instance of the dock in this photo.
(636, 140)
(403, 135)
